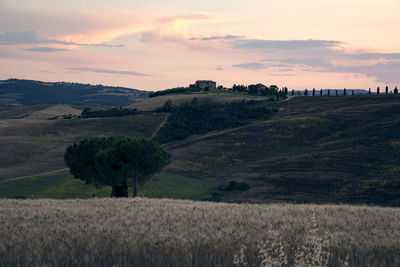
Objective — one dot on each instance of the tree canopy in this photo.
(113, 160)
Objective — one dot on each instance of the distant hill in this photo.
(29, 92)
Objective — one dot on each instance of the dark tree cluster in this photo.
(167, 107)
(234, 186)
(178, 90)
(114, 160)
(110, 112)
(260, 89)
(197, 117)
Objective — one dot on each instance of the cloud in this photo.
(219, 68)
(388, 72)
(176, 41)
(108, 71)
(186, 19)
(27, 37)
(156, 36)
(286, 70)
(372, 56)
(285, 45)
(318, 61)
(45, 49)
(31, 37)
(320, 56)
(211, 38)
(46, 71)
(385, 72)
(251, 66)
(282, 74)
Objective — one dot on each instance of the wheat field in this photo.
(164, 232)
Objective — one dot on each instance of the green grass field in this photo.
(64, 186)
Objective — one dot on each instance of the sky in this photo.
(160, 44)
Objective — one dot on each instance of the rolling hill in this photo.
(313, 150)
(321, 149)
(177, 99)
(31, 142)
(29, 92)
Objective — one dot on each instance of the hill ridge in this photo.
(33, 92)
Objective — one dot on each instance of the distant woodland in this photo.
(29, 92)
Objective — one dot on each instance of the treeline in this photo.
(110, 112)
(252, 89)
(197, 117)
(178, 90)
(260, 89)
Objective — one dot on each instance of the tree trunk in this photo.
(120, 191)
(113, 191)
(134, 186)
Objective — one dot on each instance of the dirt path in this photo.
(34, 175)
(287, 98)
(160, 126)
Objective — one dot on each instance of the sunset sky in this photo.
(159, 44)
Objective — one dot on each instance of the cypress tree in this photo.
(369, 91)
(377, 90)
(329, 92)
(306, 92)
(336, 92)
(352, 92)
(320, 92)
(396, 91)
(344, 91)
(387, 90)
(292, 91)
(313, 92)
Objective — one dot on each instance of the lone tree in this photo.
(113, 160)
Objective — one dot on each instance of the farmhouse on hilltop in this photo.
(205, 84)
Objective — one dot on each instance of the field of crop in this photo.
(150, 232)
(177, 99)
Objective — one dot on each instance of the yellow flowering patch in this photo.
(312, 119)
(239, 143)
(394, 143)
(184, 166)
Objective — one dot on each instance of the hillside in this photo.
(313, 150)
(28, 92)
(150, 232)
(320, 150)
(177, 99)
(31, 142)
